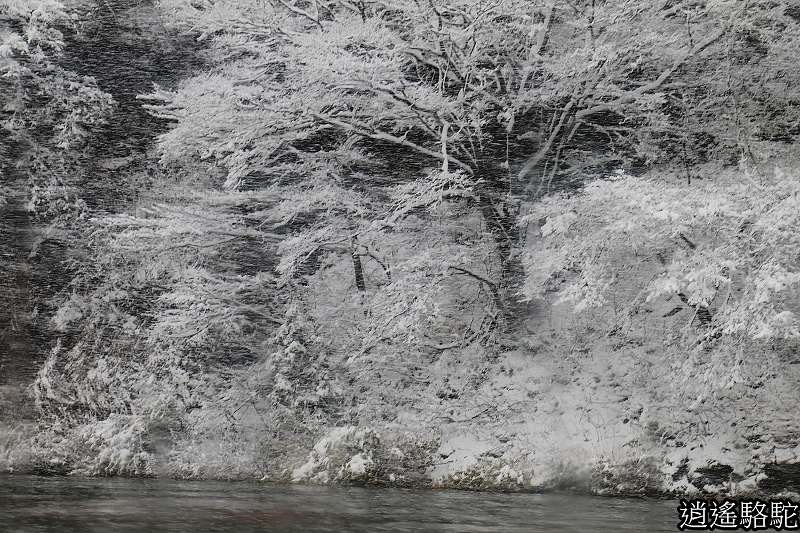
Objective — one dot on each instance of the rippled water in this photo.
(29, 504)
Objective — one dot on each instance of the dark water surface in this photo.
(30, 504)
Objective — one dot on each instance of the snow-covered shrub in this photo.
(633, 478)
(349, 454)
(116, 445)
(488, 475)
(723, 249)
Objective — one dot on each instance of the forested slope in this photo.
(484, 245)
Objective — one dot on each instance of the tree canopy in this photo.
(492, 99)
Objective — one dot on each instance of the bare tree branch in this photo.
(498, 301)
(655, 84)
(365, 131)
(302, 12)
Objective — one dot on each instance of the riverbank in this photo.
(606, 429)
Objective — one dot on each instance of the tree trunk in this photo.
(358, 270)
(500, 214)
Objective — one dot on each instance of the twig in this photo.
(492, 286)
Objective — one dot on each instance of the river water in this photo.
(39, 504)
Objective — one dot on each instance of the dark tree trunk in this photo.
(358, 270)
(500, 213)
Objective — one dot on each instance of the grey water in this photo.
(53, 504)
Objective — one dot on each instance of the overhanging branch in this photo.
(498, 301)
(365, 131)
(653, 85)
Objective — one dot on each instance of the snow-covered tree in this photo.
(310, 93)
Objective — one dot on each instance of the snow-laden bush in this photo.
(636, 477)
(487, 475)
(116, 445)
(727, 247)
(349, 454)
